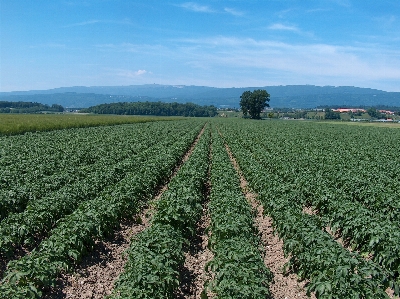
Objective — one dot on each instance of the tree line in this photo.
(153, 108)
(28, 107)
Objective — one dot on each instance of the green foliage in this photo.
(374, 113)
(14, 124)
(75, 234)
(153, 108)
(28, 107)
(253, 103)
(238, 265)
(155, 255)
(74, 186)
(46, 207)
(329, 114)
(341, 172)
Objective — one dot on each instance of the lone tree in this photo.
(253, 103)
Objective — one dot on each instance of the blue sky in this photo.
(227, 43)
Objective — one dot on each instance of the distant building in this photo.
(387, 112)
(346, 110)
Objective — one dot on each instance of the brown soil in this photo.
(309, 211)
(95, 276)
(21, 251)
(193, 273)
(283, 286)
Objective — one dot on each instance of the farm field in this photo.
(202, 208)
(12, 124)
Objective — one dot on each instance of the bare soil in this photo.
(283, 286)
(95, 276)
(193, 274)
(309, 211)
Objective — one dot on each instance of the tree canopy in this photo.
(28, 107)
(253, 103)
(154, 108)
(330, 114)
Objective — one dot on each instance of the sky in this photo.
(226, 43)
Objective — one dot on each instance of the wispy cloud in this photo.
(196, 7)
(193, 6)
(135, 48)
(49, 45)
(140, 72)
(129, 73)
(279, 26)
(233, 11)
(92, 22)
(283, 13)
(323, 60)
(290, 28)
(317, 10)
(387, 21)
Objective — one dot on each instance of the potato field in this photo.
(201, 208)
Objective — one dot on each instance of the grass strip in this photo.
(12, 124)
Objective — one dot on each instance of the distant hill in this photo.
(290, 96)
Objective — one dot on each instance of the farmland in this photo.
(328, 194)
(12, 124)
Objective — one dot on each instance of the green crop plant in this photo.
(76, 233)
(288, 165)
(237, 264)
(156, 254)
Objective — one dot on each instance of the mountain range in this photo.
(289, 96)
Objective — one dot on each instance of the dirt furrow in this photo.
(283, 286)
(95, 276)
(193, 274)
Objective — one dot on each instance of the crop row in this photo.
(156, 255)
(360, 164)
(75, 234)
(333, 271)
(367, 229)
(99, 154)
(34, 156)
(238, 267)
(42, 214)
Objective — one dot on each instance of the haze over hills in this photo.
(290, 96)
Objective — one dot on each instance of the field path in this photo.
(95, 276)
(283, 286)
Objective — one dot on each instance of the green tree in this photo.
(374, 113)
(253, 103)
(329, 114)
